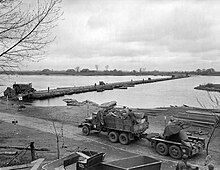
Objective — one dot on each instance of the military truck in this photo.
(120, 123)
(123, 125)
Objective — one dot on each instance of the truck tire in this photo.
(175, 152)
(123, 139)
(162, 148)
(85, 130)
(113, 136)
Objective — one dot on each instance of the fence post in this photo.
(32, 151)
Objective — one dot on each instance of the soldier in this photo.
(210, 167)
(182, 165)
(129, 114)
(100, 116)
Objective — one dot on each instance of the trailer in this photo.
(176, 148)
(120, 123)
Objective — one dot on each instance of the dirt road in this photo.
(95, 141)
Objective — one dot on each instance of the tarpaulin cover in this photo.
(171, 130)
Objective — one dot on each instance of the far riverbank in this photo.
(209, 87)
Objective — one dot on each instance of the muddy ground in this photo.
(35, 124)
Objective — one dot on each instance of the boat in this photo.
(130, 85)
(69, 100)
(123, 87)
(100, 89)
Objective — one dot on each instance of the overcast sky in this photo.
(132, 34)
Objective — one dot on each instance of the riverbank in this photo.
(209, 87)
(35, 124)
(38, 123)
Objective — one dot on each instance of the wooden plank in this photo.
(200, 113)
(59, 162)
(149, 110)
(195, 121)
(194, 117)
(37, 164)
(17, 167)
(8, 153)
(26, 148)
(83, 155)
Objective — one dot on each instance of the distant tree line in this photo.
(205, 71)
(87, 72)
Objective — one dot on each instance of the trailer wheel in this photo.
(162, 148)
(85, 130)
(123, 138)
(175, 152)
(113, 136)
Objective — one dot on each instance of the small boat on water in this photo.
(123, 87)
(130, 85)
(100, 89)
(69, 100)
(74, 102)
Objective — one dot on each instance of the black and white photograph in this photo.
(109, 85)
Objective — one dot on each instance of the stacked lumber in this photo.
(199, 118)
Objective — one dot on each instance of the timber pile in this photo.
(45, 94)
(150, 112)
(199, 118)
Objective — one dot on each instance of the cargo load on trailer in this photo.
(120, 122)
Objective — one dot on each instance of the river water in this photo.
(166, 93)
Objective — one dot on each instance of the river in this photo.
(159, 94)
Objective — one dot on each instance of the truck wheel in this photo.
(162, 148)
(175, 152)
(113, 136)
(123, 138)
(85, 130)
